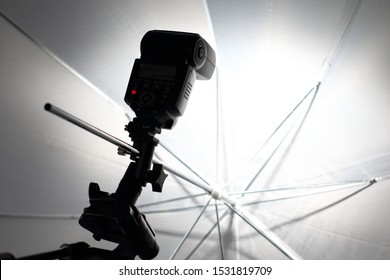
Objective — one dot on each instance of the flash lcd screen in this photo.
(157, 72)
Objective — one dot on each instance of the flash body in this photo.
(163, 77)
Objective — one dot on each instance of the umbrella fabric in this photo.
(284, 153)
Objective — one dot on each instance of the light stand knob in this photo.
(156, 177)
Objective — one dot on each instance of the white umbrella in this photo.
(291, 129)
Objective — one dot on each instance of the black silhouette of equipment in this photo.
(159, 88)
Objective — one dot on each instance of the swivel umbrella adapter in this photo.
(115, 217)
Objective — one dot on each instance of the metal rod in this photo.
(179, 174)
(328, 206)
(184, 163)
(265, 163)
(366, 182)
(206, 235)
(285, 136)
(313, 186)
(203, 186)
(171, 200)
(221, 154)
(264, 231)
(278, 127)
(45, 49)
(172, 210)
(219, 231)
(40, 216)
(190, 230)
(125, 146)
(104, 135)
(90, 128)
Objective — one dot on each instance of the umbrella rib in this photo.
(183, 163)
(286, 134)
(172, 210)
(313, 186)
(177, 173)
(351, 11)
(266, 233)
(190, 230)
(264, 165)
(73, 71)
(341, 187)
(171, 200)
(219, 230)
(220, 131)
(370, 183)
(278, 127)
(206, 236)
(203, 186)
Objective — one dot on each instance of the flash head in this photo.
(163, 77)
(179, 47)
